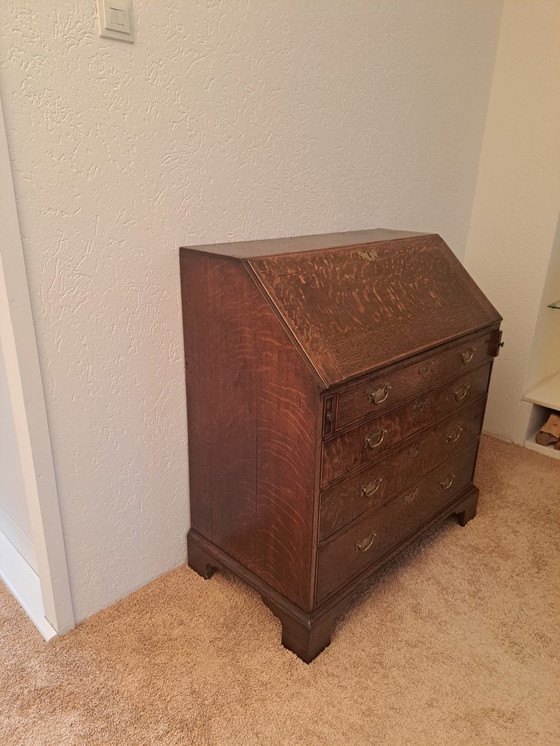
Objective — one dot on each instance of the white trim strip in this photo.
(24, 583)
(17, 336)
(21, 542)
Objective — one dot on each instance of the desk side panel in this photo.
(221, 379)
(288, 425)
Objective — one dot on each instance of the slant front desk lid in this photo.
(371, 298)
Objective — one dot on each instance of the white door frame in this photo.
(17, 335)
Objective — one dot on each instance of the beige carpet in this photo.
(454, 643)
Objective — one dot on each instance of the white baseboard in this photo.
(18, 539)
(24, 583)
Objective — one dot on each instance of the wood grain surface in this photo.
(351, 315)
(410, 382)
(382, 529)
(253, 414)
(221, 379)
(287, 453)
(349, 451)
(402, 466)
(336, 388)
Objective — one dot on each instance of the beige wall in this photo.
(517, 200)
(544, 360)
(228, 120)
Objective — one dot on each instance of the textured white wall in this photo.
(517, 203)
(225, 120)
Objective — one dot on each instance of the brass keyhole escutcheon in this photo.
(379, 395)
(370, 255)
(365, 544)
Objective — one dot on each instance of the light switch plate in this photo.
(115, 19)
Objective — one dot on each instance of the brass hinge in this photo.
(495, 343)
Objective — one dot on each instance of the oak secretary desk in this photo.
(336, 387)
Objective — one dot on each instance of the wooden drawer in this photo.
(400, 467)
(392, 523)
(383, 392)
(357, 447)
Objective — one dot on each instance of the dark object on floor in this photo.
(336, 387)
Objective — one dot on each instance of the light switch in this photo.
(115, 19)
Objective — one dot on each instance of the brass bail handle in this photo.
(426, 368)
(374, 440)
(467, 355)
(461, 391)
(415, 448)
(448, 481)
(369, 490)
(419, 406)
(365, 544)
(379, 395)
(454, 436)
(411, 496)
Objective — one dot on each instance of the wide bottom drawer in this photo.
(393, 522)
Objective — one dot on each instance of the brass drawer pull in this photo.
(379, 395)
(461, 391)
(426, 368)
(419, 406)
(374, 440)
(454, 436)
(365, 544)
(448, 481)
(415, 448)
(467, 355)
(369, 490)
(411, 496)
